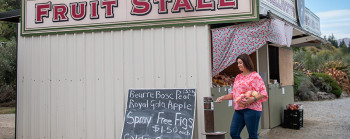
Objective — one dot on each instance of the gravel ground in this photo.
(322, 120)
(7, 126)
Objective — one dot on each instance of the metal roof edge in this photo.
(272, 15)
(13, 15)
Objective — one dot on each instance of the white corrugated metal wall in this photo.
(74, 86)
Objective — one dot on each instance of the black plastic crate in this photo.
(292, 126)
(293, 119)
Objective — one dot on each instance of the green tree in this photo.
(8, 5)
(333, 41)
(8, 73)
(343, 47)
(8, 62)
(342, 44)
(8, 56)
(8, 30)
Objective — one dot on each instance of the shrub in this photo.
(321, 84)
(296, 84)
(302, 83)
(336, 90)
(298, 54)
(309, 61)
(313, 49)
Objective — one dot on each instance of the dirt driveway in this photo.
(322, 120)
(7, 126)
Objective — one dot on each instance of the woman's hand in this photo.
(225, 97)
(219, 99)
(249, 101)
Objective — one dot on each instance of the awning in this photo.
(11, 16)
(230, 42)
(303, 38)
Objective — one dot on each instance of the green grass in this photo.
(7, 110)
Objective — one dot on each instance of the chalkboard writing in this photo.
(159, 114)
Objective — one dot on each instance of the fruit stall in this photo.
(78, 59)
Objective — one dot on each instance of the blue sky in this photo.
(334, 16)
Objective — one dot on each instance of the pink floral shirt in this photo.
(251, 82)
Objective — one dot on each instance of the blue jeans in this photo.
(245, 117)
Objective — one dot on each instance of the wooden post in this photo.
(208, 114)
(209, 120)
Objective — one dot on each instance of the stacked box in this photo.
(293, 119)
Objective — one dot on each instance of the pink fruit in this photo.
(255, 93)
(248, 93)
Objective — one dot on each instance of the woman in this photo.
(247, 111)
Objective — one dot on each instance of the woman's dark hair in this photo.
(247, 61)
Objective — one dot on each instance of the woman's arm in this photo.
(252, 99)
(225, 97)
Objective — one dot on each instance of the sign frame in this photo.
(147, 94)
(312, 22)
(252, 15)
(301, 11)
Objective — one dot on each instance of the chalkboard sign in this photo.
(159, 114)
